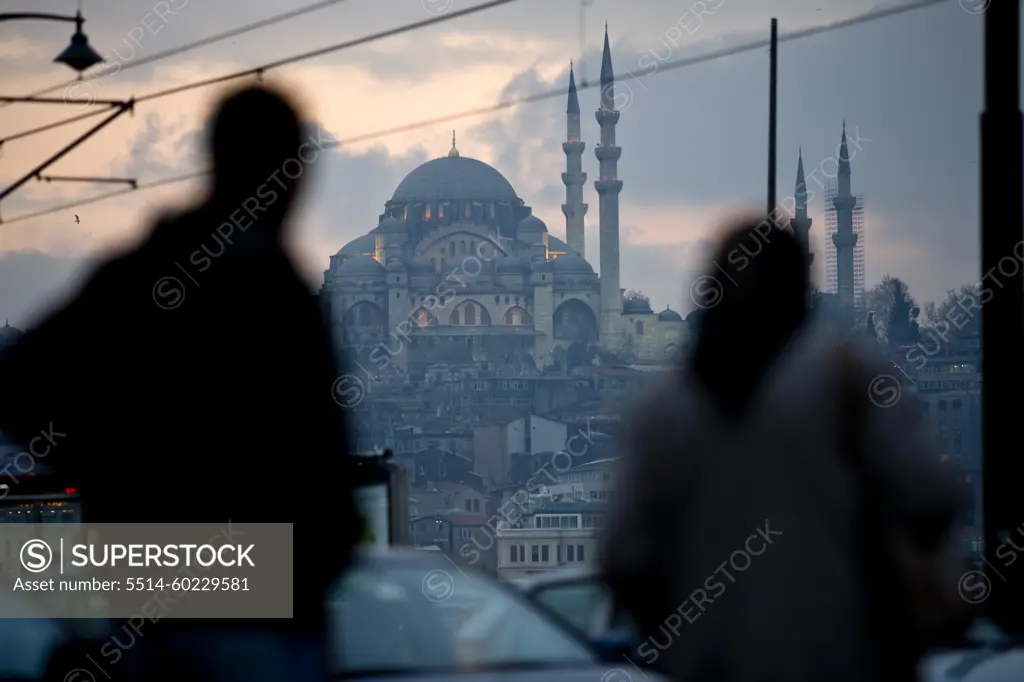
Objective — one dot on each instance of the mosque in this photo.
(460, 270)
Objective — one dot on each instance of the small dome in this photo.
(363, 266)
(669, 315)
(418, 265)
(512, 264)
(571, 264)
(391, 225)
(9, 335)
(359, 245)
(636, 306)
(532, 222)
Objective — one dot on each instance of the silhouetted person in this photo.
(782, 513)
(191, 381)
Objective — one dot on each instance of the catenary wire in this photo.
(258, 70)
(203, 42)
(529, 99)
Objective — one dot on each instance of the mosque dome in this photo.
(532, 222)
(571, 264)
(636, 306)
(512, 264)
(455, 178)
(669, 315)
(9, 336)
(360, 245)
(361, 266)
(418, 265)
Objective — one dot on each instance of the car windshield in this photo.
(408, 619)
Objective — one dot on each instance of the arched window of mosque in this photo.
(405, 213)
(639, 328)
(497, 300)
(442, 267)
(470, 314)
(455, 318)
(433, 261)
(442, 250)
(469, 211)
(440, 210)
(506, 300)
(472, 248)
(462, 246)
(492, 210)
(451, 248)
(426, 212)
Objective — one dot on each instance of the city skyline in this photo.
(693, 149)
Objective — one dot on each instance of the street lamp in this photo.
(78, 55)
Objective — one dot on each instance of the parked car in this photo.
(586, 604)
(400, 613)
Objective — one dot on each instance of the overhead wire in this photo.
(531, 99)
(181, 49)
(259, 70)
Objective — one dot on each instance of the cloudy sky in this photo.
(693, 139)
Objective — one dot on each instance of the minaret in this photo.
(844, 237)
(800, 222)
(574, 178)
(608, 187)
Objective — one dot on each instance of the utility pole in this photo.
(772, 111)
(1002, 321)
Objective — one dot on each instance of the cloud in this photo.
(32, 282)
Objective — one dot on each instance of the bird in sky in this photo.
(76, 219)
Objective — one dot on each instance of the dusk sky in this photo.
(694, 145)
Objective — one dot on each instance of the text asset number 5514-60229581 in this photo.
(187, 585)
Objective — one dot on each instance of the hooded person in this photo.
(774, 513)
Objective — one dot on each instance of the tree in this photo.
(894, 310)
(960, 310)
(637, 295)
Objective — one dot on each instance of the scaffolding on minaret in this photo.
(831, 258)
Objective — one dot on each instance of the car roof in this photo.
(556, 577)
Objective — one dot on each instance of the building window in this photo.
(469, 210)
(462, 246)
(476, 505)
(426, 212)
(639, 328)
(470, 314)
(456, 316)
(570, 553)
(559, 553)
(534, 553)
(593, 494)
(544, 555)
(469, 505)
(579, 552)
(451, 247)
(513, 555)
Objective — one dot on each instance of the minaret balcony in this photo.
(607, 116)
(608, 153)
(844, 240)
(573, 147)
(608, 186)
(569, 179)
(570, 210)
(844, 202)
